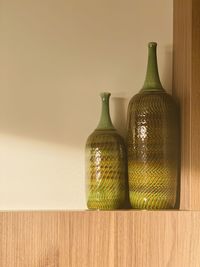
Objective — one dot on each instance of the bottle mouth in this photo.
(152, 44)
(105, 95)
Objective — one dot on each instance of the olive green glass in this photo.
(105, 164)
(153, 143)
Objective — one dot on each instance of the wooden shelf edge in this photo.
(99, 212)
(99, 238)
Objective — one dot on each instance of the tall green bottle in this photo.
(106, 165)
(153, 143)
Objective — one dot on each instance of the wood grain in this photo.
(186, 88)
(100, 239)
(29, 239)
(195, 108)
(182, 85)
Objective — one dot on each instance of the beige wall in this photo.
(55, 58)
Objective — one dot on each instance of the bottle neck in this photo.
(105, 120)
(152, 80)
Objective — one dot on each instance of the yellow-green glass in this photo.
(153, 143)
(105, 164)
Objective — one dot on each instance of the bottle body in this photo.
(153, 151)
(105, 170)
(106, 164)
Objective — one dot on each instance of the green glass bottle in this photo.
(153, 143)
(106, 172)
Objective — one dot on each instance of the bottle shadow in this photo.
(119, 113)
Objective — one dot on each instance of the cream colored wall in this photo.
(55, 58)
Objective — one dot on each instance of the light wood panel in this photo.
(195, 108)
(100, 239)
(186, 88)
(29, 239)
(182, 88)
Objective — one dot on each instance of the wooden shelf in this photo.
(99, 238)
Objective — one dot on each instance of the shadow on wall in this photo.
(44, 51)
(119, 114)
(47, 111)
(55, 117)
(166, 74)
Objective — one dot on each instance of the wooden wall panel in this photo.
(182, 86)
(100, 239)
(186, 88)
(195, 108)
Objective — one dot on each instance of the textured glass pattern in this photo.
(153, 150)
(105, 170)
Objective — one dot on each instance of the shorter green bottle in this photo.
(105, 164)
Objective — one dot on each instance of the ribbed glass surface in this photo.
(105, 170)
(153, 150)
